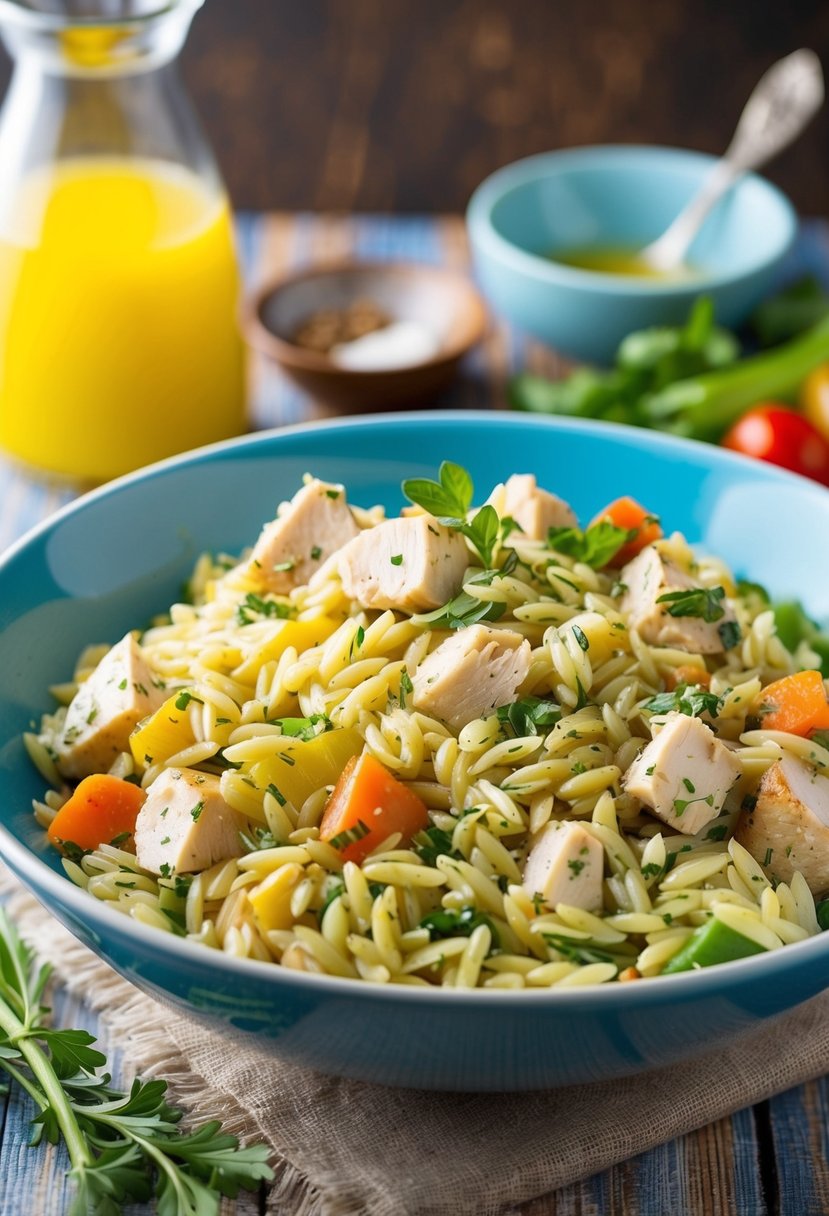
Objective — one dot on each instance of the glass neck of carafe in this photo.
(98, 78)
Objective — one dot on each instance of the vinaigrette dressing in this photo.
(118, 334)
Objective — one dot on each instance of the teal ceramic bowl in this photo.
(114, 558)
(621, 197)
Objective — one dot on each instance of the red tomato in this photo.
(776, 434)
(814, 398)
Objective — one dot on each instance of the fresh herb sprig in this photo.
(685, 699)
(595, 546)
(123, 1147)
(704, 602)
(450, 499)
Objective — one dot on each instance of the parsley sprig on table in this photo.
(123, 1147)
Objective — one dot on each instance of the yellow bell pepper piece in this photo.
(160, 736)
(302, 635)
(302, 768)
(271, 899)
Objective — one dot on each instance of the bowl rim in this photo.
(24, 861)
(265, 340)
(494, 188)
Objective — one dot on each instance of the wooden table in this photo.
(771, 1160)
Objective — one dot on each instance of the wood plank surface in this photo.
(770, 1161)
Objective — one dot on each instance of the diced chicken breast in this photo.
(651, 575)
(306, 532)
(107, 706)
(471, 673)
(566, 866)
(533, 509)
(412, 565)
(684, 774)
(185, 825)
(788, 828)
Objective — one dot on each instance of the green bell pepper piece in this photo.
(710, 944)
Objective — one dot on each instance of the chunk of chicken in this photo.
(412, 565)
(651, 575)
(533, 509)
(684, 774)
(106, 707)
(566, 866)
(306, 532)
(185, 825)
(470, 673)
(788, 828)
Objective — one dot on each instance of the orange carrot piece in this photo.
(102, 809)
(797, 704)
(627, 513)
(367, 805)
(687, 673)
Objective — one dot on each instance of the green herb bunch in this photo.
(123, 1147)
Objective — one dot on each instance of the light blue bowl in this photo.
(622, 197)
(112, 560)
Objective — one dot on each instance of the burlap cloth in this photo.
(341, 1147)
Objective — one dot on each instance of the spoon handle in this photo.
(784, 99)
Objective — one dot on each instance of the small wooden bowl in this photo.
(440, 300)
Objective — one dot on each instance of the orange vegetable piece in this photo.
(628, 513)
(366, 806)
(101, 809)
(796, 704)
(687, 673)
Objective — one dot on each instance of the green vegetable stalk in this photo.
(705, 406)
(688, 381)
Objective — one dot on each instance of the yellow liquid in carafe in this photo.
(119, 341)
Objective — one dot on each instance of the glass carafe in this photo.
(119, 286)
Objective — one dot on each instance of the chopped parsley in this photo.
(195, 813)
(406, 687)
(123, 684)
(120, 839)
(595, 546)
(454, 922)
(432, 843)
(730, 634)
(261, 607)
(257, 839)
(316, 553)
(704, 602)
(276, 793)
(681, 804)
(692, 700)
(184, 698)
(334, 892)
(576, 867)
(581, 638)
(350, 836)
(396, 559)
(527, 715)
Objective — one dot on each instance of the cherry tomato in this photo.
(814, 398)
(776, 434)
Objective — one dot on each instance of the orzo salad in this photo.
(469, 747)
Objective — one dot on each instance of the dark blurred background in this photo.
(407, 104)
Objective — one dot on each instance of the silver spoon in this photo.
(784, 99)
